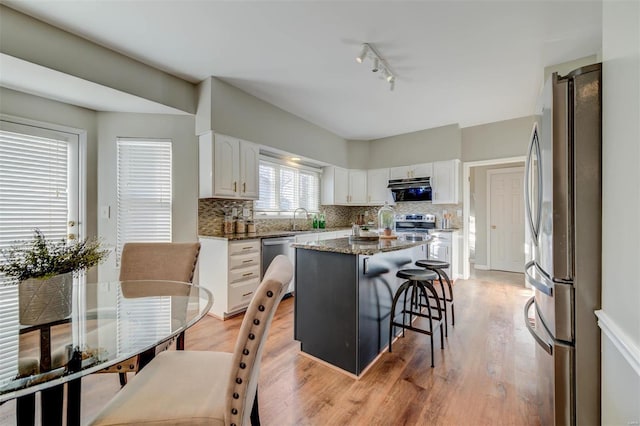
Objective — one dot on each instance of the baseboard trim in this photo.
(481, 267)
(620, 340)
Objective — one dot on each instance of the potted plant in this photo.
(44, 271)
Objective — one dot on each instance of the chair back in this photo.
(159, 261)
(245, 367)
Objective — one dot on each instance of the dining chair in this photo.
(200, 387)
(155, 261)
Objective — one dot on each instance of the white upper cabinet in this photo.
(413, 171)
(358, 187)
(344, 187)
(445, 182)
(228, 167)
(377, 182)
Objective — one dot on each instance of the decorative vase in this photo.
(45, 300)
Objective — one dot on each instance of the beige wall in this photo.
(179, 129)
(39, 43)
(424, 146)
(620, 212)
(236, 113)
(503, 139)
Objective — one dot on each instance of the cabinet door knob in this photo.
(244, 186)
(235, 186)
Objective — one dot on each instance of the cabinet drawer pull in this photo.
(244, 187)
(247, 294)
(235, 186)
(246, 248)
(247, 261)
(247, 274)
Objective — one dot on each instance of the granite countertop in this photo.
(268, 234)
(346, 246)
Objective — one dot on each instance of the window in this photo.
(284, 188)
(144, 191)
(39, 172)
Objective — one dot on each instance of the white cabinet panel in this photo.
(231, 271)
(445, 182)
(228, 167)
(377, 181)
(413, 171)
(357, 187)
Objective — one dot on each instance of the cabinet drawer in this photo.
(244, 274)
(240, 294)
(244, 260)
(243, 247)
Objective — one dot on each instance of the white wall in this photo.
(621, 212)
(178, 128)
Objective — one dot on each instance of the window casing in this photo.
(144, 192)
(284, 187)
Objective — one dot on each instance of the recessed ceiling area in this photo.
(466, 62)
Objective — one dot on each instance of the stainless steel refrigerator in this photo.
(563, 212)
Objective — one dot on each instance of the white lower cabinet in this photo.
(231, 271)
(444, 247)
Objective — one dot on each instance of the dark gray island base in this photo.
(343, 296)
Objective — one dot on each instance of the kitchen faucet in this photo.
(293, 224)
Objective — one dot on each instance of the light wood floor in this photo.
(484, 376)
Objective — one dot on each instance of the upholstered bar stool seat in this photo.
(417, 289)
(438, 266)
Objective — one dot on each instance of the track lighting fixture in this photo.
(363, 53)
(378, 63)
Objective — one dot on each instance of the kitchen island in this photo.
(343, 295)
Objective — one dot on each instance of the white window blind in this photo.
(141, 322)
(284, 188)
(36, 169)
(144, 191)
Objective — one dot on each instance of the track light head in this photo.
(363, 53)
(379, 65)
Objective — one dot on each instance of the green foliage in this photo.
(40, 258)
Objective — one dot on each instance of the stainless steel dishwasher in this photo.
(271, 247)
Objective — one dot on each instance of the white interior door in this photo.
(506, 219)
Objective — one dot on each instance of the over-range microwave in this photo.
(414, 189)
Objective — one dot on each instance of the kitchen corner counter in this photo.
(267, 234)
(346, 246)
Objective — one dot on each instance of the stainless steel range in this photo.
(414, 226)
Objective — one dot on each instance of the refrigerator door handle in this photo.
(534, 148)
(539, 285)
(548, 347)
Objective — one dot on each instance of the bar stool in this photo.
(438, 266)
(419, 281)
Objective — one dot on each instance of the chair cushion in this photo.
(157, 394)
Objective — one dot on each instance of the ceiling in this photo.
(465, 62)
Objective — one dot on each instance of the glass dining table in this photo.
(110, 322)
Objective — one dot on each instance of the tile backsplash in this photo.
(211, 215)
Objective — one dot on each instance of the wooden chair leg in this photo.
(255, 415)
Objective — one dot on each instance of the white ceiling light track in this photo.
(378, 64)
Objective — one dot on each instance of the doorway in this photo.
(474, 247)
(505, 219)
